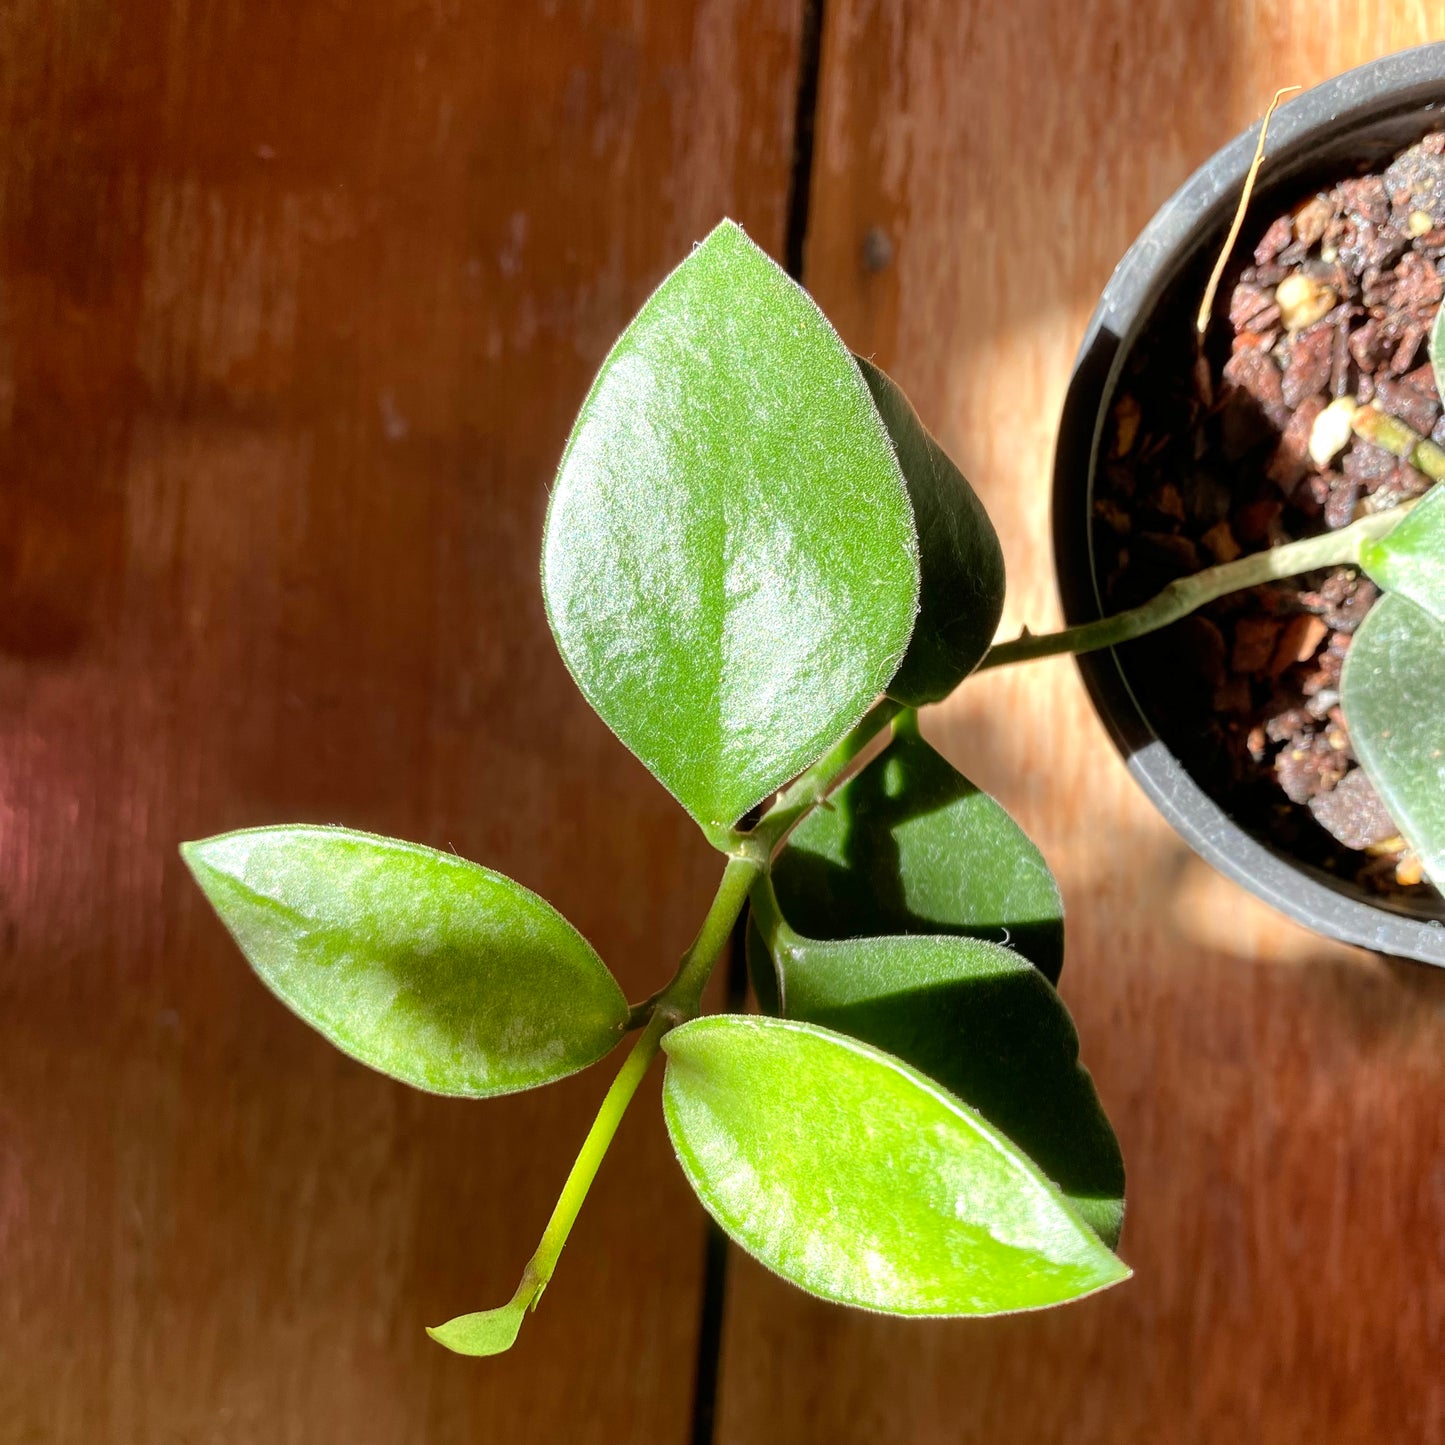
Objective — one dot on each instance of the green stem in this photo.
(677, 1003)
(1399, 440)
(809, 789)
(639, 1014)
(1187, 594)
(589, 1157)
(749, 855)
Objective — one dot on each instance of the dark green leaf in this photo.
(730, 564)
(961, 598)
(855, 1177)
(984, 1023)
(1393, 694)
(1410, 558)
(911, 846)
(433, 970)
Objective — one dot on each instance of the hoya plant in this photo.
(757, 565)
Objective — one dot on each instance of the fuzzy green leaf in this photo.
(1393, 694)
(730, 564)
(911, 846)
(856, 1178)
(1410, 558)
(487, 1332)
(984, 1023)
(440, 973)
(961, 598)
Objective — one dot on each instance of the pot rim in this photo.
(1396, 88)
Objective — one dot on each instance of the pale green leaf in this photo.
(488, 1332)
(440, 973)
(858, 1179)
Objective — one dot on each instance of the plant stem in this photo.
(677, 1003)
(751, 852)
(1186, 594)
(749, 855)
(683, 996)
(1206, 306)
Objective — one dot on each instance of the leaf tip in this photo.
(1119, 1275)
(196, 855)
(211, 863)
(726, 234)
(1112, 1269)
(208, 852)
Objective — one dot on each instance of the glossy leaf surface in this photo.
(909, 845)
(730, 564)
(1393, 693)
(984, 1023)
(853, 1176)
(440, 973)
(1410, 558)
(961, 598)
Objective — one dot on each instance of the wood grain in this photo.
(296, 305)
(1278, 1098)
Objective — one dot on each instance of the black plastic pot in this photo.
(1365, 115)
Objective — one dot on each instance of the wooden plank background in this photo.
(296, 304)
(1278, 1099)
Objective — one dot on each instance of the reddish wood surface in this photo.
(1278, 1099)
(296, 305)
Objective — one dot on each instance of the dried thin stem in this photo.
(1206, 307)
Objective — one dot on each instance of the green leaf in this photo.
(984, 1023)
(1393, 695)
(440, 973)
(1410, 558)
(488, 1332)
(855, 1177)
(730, 564)
(909, 845)
(961, 598)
